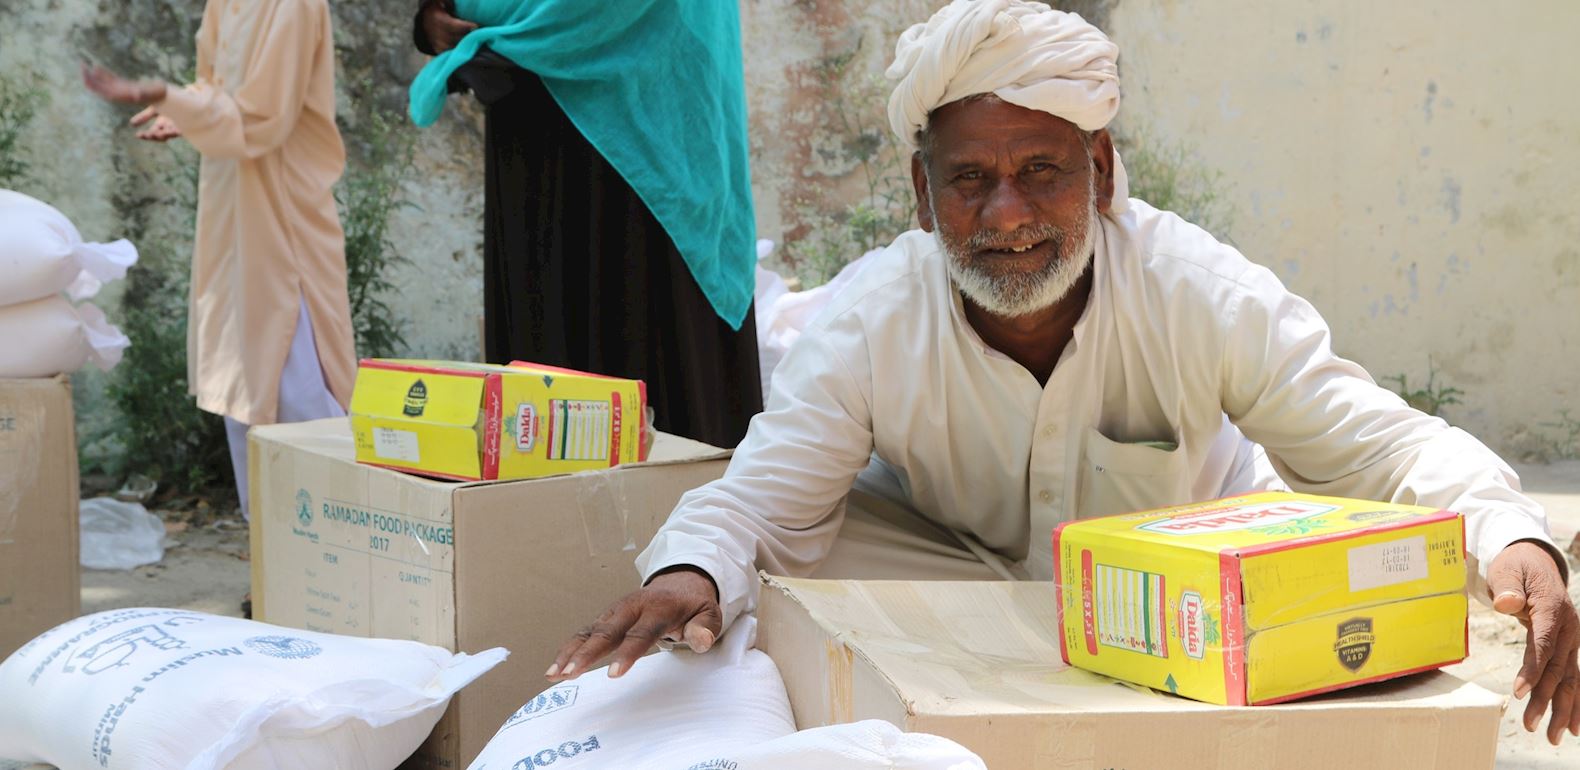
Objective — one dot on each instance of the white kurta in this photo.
(262, 114)
(1180, 332)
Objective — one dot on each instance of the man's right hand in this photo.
(444, 31)
(681, 604)
(161, 129)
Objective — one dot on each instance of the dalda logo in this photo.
(1233, 518)
(1354, 646)
(1192, 625)
(526, 427)
(416, 399)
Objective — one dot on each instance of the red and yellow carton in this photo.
(1262, 598)
(481, 422)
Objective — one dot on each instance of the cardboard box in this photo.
(1263, 598)
(979, 663)
(473, 422)
(40, 585)
(348, 548)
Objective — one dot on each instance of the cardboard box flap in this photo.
(332, 438)
(973, 648)
(329, 437)
(1257, 523)
(670, 450)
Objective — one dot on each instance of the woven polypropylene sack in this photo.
(42, 254)
(162, 688)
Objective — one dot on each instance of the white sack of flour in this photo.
(160, 688)
(782, 314)
(42, 254)
(868, 745)
(48, 336)
(670, 709)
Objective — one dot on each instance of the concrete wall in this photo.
(87, 163)
(1410, 167)
(1404, 165)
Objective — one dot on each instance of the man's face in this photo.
(1013, 195)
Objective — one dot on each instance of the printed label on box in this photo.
(391, 444)
(578, 429)
(1131, 610)
(1387, 564)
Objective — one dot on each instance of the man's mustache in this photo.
(992, 239)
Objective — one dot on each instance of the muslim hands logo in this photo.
(304, 507)
(283, 647)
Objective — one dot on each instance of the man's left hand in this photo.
(1525, 582)
(114, 88)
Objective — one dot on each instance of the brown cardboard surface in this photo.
(466, 566)
(979, 663)
(39, 578)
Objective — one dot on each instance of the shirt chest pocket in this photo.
(1121, 478)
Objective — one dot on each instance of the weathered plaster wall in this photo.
(88, 164)
(1409, 167)
(1404, 165)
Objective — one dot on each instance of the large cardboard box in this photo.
(354, 549)
(979, 663)
(40, 584)
(1263, 598)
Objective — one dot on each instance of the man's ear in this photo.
(1103, 167)
(924, 206)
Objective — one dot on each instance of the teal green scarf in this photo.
(656, 86)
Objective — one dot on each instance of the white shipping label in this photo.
(393, 444)
(1387, 564)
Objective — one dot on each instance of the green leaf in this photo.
(1211, 635)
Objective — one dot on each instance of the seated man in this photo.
(1045, 348)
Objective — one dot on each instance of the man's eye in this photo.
(1039, 168)
(969, 176)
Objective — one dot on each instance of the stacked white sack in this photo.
(669, 707)
(48, 336)
(45, 266)
(868, 745)
(723, 710)
(783, 314)
(142, 688)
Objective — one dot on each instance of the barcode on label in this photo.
(1386, 564)
(391, 444)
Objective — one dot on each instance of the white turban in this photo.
(1022, 52)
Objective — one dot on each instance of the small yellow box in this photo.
(1262, 598)
(480, 422)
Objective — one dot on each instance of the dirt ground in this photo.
(205, 568)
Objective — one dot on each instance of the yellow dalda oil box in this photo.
(480, 422)
(1262, 598)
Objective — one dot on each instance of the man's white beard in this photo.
(1016, 294)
